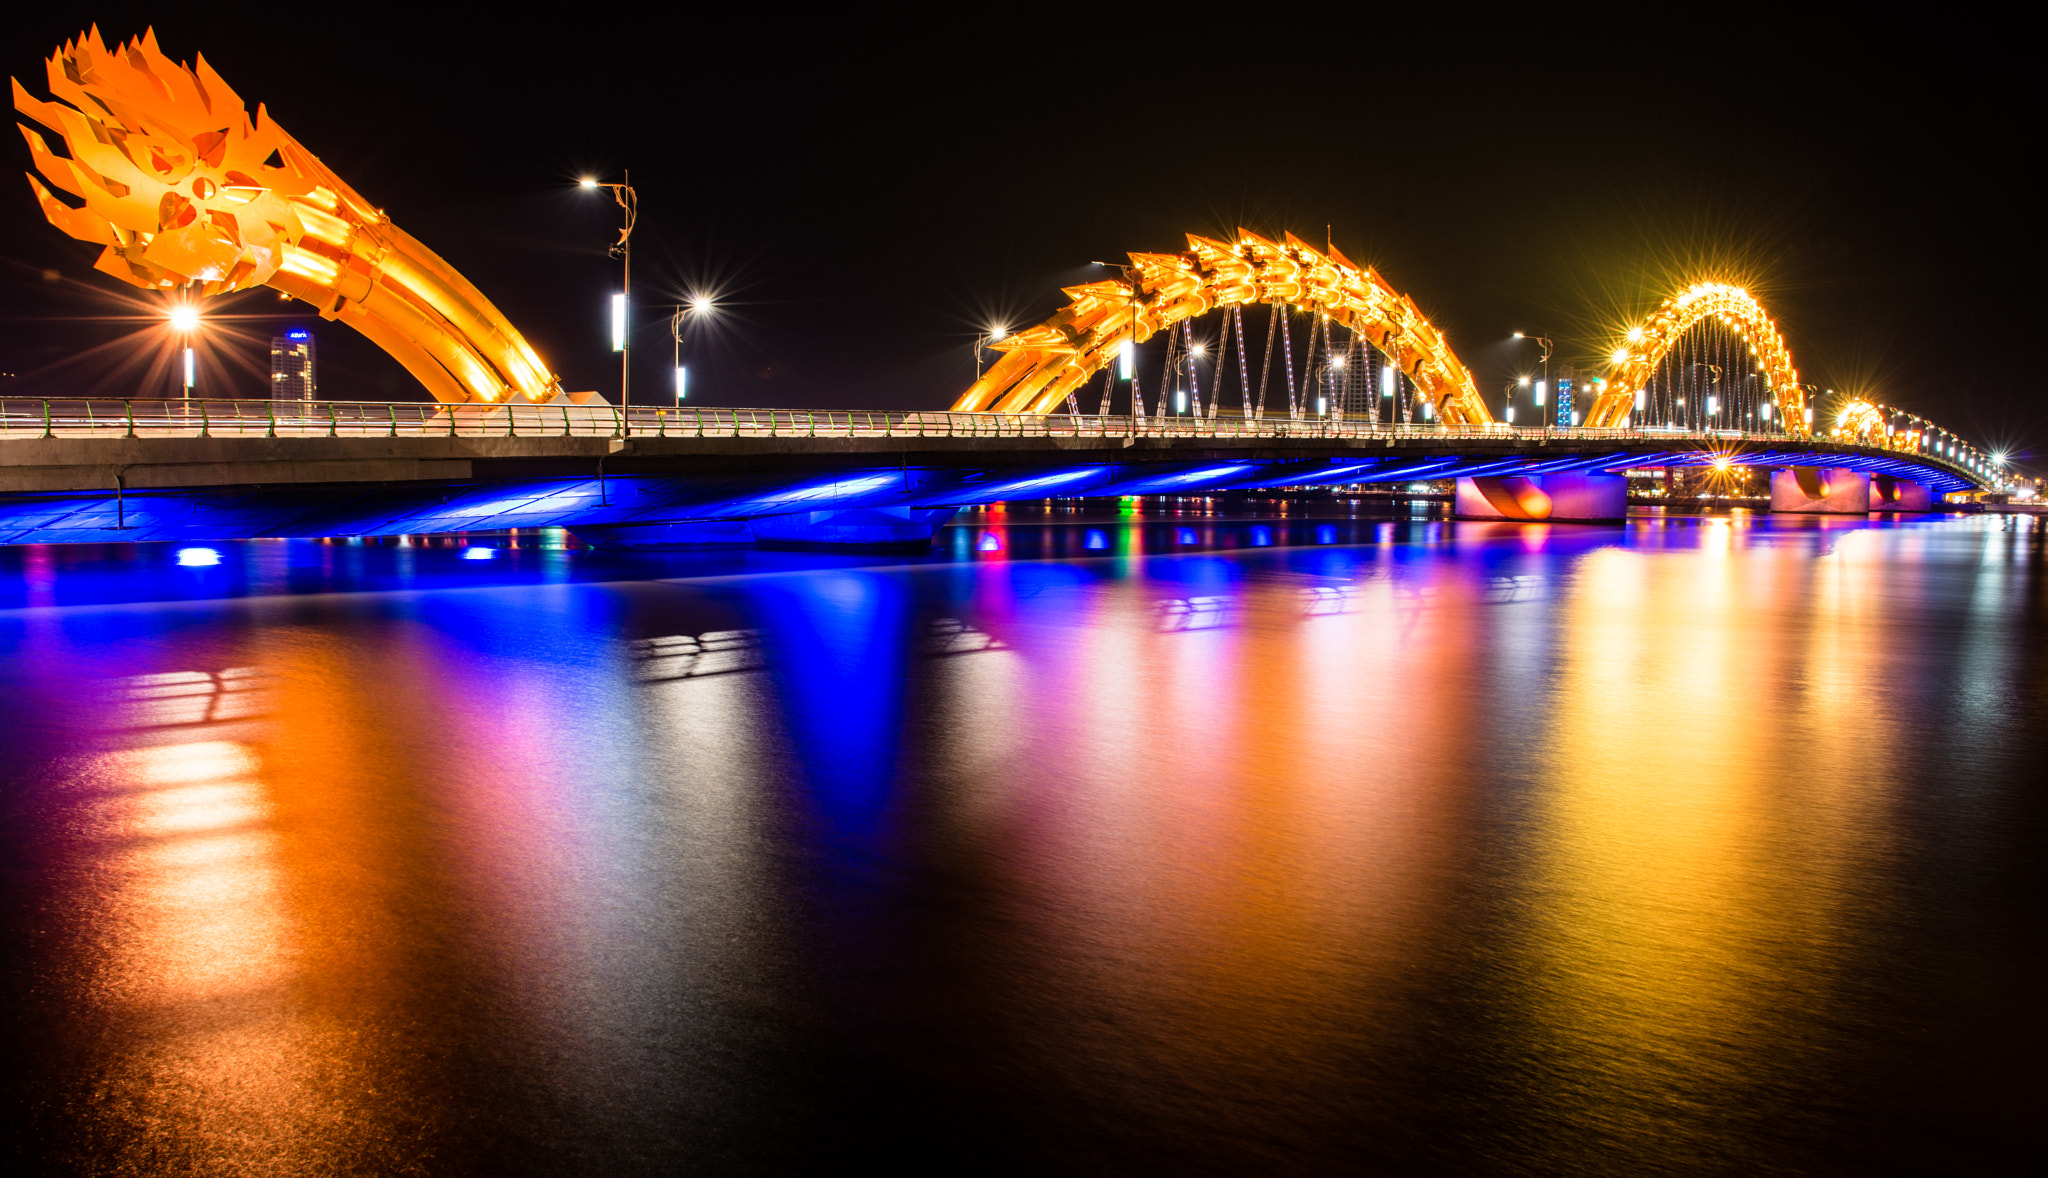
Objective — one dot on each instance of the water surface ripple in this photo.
(1124, 845)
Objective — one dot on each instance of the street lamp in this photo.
(1544, 343)
(185, 321)
(622, 249)
(699, 306)
(994, 334)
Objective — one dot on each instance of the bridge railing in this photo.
(22, 418)
(175, 418)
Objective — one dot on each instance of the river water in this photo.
(1129, 843)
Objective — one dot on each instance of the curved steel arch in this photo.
(1648, 342)
(1047, 362)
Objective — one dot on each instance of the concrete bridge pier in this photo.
(1564, 498)
(1888, 493)
(855, 528)
(1815, 490)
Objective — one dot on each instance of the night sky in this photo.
(863, 196)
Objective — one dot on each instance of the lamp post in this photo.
(622, 249)
(995, 334)
(1544, 343)
(185, 321)
(699, 306)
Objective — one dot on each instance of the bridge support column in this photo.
(1814, 490)
(855, 528)
(1569, 498)
(1895, 494)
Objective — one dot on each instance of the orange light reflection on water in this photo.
(1212, 825)
(1715, 778)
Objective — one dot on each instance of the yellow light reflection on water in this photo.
(1699, 743)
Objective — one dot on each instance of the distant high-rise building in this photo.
(291, 366)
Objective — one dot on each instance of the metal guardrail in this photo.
(22, 418)
(128, 418)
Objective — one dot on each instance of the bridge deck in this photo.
(74, 471)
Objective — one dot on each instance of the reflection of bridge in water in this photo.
(131, 470)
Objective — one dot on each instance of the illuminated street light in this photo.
(1544, 386)
(185, 320)
(994, 334)
(622, 249)
(700, 306)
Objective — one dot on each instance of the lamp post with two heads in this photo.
(622, 249)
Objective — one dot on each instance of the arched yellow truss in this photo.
(176, 180)
(1047, 362)
(1647, 343)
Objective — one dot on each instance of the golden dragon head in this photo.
(175, 177)
(187, 191)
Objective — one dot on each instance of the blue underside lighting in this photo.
(990, 543)
(837, 489)
(1095, 539)
(195, 517)
(479, 553)
(1262, 536)
(198, 558)
(1187, 536)
(1033, 484)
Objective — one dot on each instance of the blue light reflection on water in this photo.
(842, 639)
(1463, 847)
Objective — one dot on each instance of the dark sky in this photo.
(864, 195)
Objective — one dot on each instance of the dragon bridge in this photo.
(189, 193)
(1707, 357)
(1047, 365)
